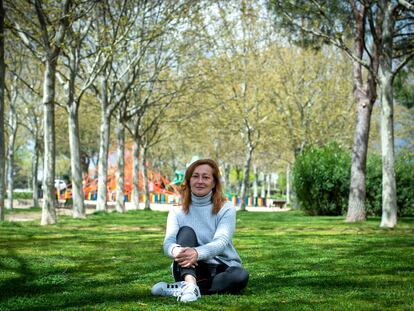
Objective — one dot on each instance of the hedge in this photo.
(321, 177)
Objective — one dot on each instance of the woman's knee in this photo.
(186, 236)
(239, 276)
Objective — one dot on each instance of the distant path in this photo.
(90, 209)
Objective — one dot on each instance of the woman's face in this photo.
(202, 180)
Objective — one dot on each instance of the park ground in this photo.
(109, 261)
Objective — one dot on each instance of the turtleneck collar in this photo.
(201, 201)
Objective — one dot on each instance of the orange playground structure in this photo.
(161, 189)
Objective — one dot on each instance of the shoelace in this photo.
(183, 290)
(175, 289)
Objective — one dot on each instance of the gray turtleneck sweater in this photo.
(214, 231)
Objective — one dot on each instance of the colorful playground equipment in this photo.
(250, 201)
(161, 189)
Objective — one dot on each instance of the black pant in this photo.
(211, 278)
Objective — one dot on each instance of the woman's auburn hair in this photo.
(217, 197)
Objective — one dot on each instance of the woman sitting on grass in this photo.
(199, 239)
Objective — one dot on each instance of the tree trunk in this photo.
(120, 175)
(226, 177)
(239, 181)
(103, 161)
(263, 188)
(245, 181)
(255, 189)
(389, 192)
(78, 197)
(145, 178)
(365, 96)
(268, 181)
(288, 184)
(10, 148)
(356, 204)
(35, 167)
(2, 142)
(135, 174)
(49, 196)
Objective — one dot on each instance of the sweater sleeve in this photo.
(222, 236)
(170, 240)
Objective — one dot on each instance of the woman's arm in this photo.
(223, 235)
(170, 240)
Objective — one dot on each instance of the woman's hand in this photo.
(186, 257)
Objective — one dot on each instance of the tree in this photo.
(12, 125)
(310, 96)
(157, 81)
(371, 27)
(335, 22)
(45, 41)
(394, 24)
(403, 86)
(120, 167)
(74, 56)
(29, 111)
(237, 41)
(113, 24)
(2, 87)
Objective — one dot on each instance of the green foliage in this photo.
(22, 195)
(321, 18)
(403, 86)
(110, 261)
(373, 182)
(17, 195)
(321, 179)
(404, 168)
(281, 182)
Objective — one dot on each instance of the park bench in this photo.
(278, 203)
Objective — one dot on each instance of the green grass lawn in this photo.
(110, 261)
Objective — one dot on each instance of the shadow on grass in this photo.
(90, 282)
(111, 261)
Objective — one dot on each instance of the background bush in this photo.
(373, 184)
(404, 171)
(321, 179)
(404, 175)
(20, 195)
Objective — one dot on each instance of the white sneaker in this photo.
(166, 289)
(190, 292)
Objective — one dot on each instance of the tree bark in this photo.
(78, 196)
(49, 196)
(35, 167)
(365, 96)
(226, 176)
(255, 188)
(147, 205)
(10, 148)
(389, 192)
(246, 173)
(103, 161)
(135, 174)
(357, 193)
(268, 180)
(239, 181)
(52, 48)
(120, 176)
(288, 173)
(263, 188)
(2, 142)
